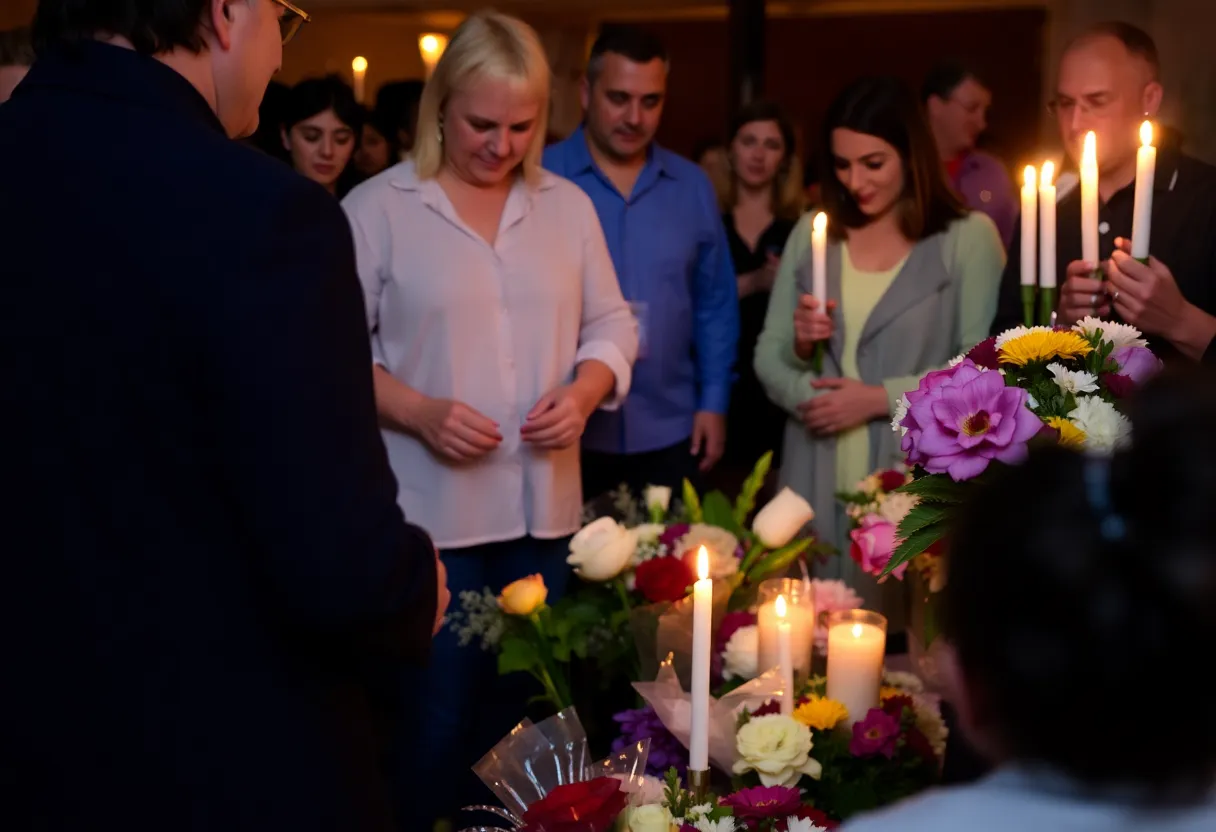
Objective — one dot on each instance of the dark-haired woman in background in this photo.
(378, 148)
(762, 200)
(321, 124)
(914, 278)
(1062, 627)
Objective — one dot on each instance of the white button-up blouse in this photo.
(495, 327)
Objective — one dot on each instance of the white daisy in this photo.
(901, 410)
(793, 824)
(1120, 335)
(1017, 332)
(1070, 381)
(958, 359)
(726, 824)
(1105, 428)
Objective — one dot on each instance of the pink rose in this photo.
(873, 544)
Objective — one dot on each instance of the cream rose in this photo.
(601, 550)
(657, 498)
(523, 597)
(777, 748)
(780, 520)
(741, 656)
(720, 544)
(651, 818)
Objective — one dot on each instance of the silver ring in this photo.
(1093, 300)
(1115, 298)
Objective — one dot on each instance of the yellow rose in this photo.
(523, 597)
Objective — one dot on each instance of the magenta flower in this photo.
(965, 420)
(762, 802)
(873, 544)
(1120, 386)
(874, 735)
(1137, 363)
(984, 354)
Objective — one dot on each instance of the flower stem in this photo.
(555, 684)
(623, 594)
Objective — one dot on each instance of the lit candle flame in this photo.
(856, 631)
(820, 223)
(429, 44)
(702, 563)
(1089, 155)
(359, 64)
(1028, 176)
(780, 606)
(1146, 134)
(1048, 174)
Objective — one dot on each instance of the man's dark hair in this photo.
(944, 79)
(630, 42)
(16, 47)
(1136, 41)
(152, 27)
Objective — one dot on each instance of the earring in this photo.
(439, 130)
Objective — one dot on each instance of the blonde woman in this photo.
(498, 327)
(761, 200)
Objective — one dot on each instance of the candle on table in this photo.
(1030, 202)
(819, 259)
(799, 614)
(1047, 241)
(1089, 200)
(784, 660)
(857, 641)
(359, 67)
(1146, 169)
(702, 613)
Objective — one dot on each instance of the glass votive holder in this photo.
(857, 644)
(799, 612)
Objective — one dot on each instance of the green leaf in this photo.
(936, 488)
(751, 487)
(914, 544)
(692, 504)
(718, 512)
(778, 560)
(517, 655)
(921, 515)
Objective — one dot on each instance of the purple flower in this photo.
(672, 534)
(874, 735)
(665, 750)
(1137, 363)
(964, 420)
(761, 802)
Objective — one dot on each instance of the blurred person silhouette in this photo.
(16, 57)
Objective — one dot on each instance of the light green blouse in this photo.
(859, 294)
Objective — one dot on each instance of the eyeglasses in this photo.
(1090, 105)
(291, 22)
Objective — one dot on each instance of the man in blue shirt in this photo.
(660, 216)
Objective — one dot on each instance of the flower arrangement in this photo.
(636, 573)
(1026, 384)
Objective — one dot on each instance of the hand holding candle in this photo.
(785, 660)
(819, 275)
(1089, 199)
(1047, 242)
(1146, 169)
(1030, 202)
(702, 616)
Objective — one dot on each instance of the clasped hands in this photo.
(1144, 295)
(460, 433)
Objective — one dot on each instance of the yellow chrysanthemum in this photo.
(1071, 436)
(820, 713)
(1044, 346)
(887, 692)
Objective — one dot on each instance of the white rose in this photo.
(741, 655)
(778, 749)
(601, 550)
(652, 818)
(896, 507)
(780, 520)
(657, 497)
(720, 544)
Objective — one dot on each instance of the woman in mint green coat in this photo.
(912, 281)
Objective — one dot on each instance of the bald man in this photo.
(1108, 82)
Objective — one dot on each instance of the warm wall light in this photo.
(431, 47)
(359, 69)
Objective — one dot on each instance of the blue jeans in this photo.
(457, 708)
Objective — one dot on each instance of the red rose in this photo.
(891, 480)
(1120, 386)
(663, 579)
(589, 806)
(984, 354)
(895, 705)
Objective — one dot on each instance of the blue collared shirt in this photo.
(673, 262)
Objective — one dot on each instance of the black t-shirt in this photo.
(754, 424)
(1183, 237)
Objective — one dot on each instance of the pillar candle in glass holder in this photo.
(1146, 170)
(857, 642)
(1089, 199)
(784, 659)
(702, 618)
(799, 614)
